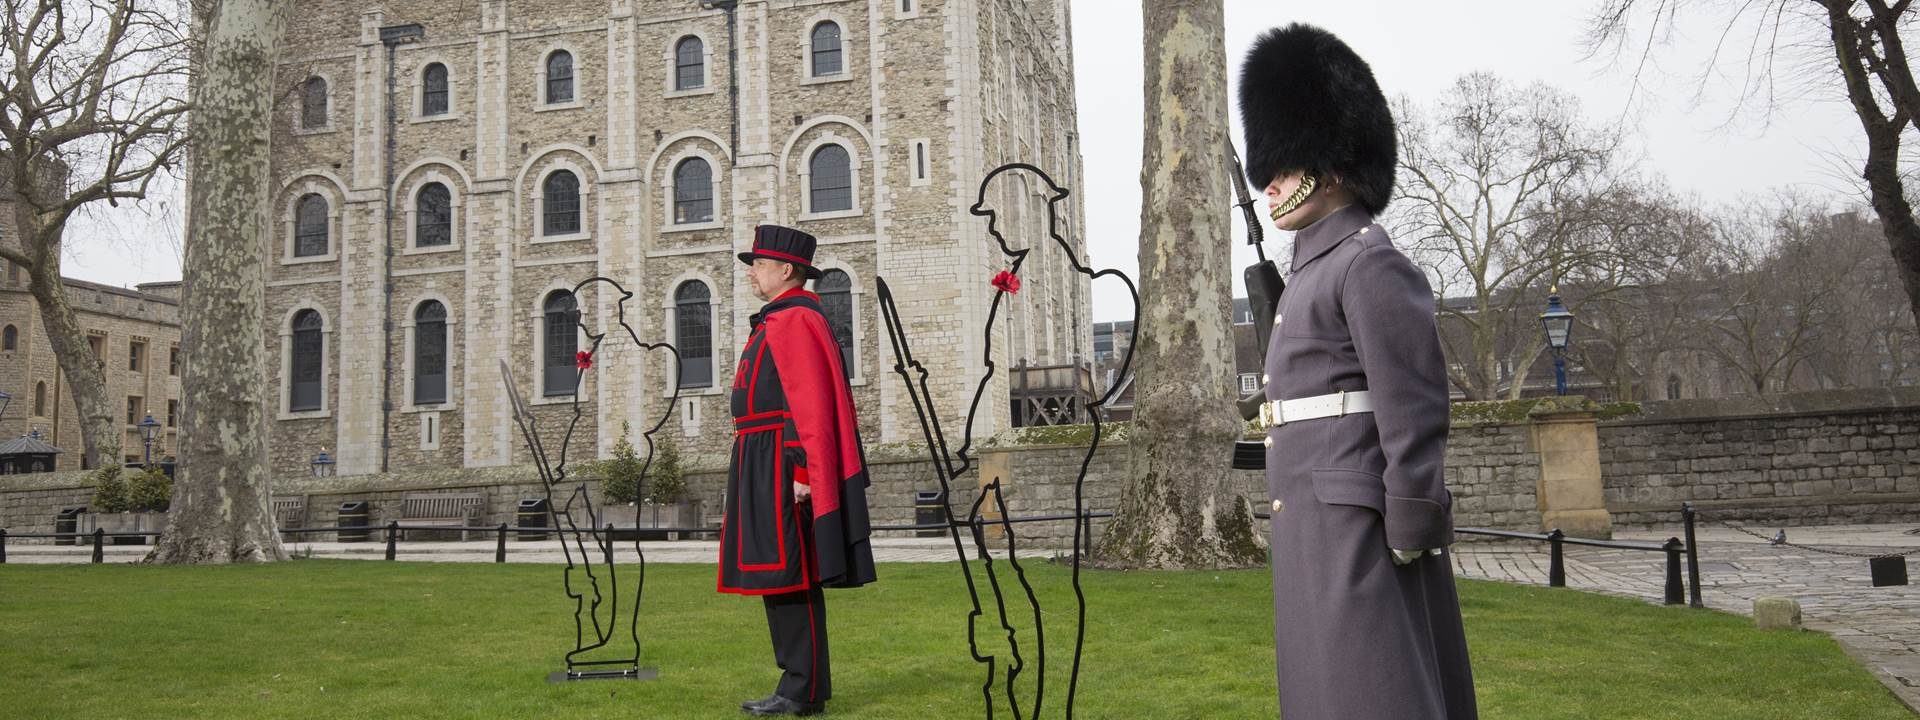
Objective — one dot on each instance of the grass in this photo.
(325, 638)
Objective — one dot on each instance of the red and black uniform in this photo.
(794, 422)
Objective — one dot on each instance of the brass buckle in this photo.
(1270, 414)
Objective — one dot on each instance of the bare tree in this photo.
(1180, 507)
(92, 112)
(220, 503)
(1489, 179)
(1861, 39)
(1630, 299)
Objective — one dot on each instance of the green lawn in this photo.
(316, 638)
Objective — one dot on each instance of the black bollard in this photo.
(1556, 559)
(393, 533)
(1693, 557)
(500, 550)
(1676, 591)
(99, 539)
(609, 545)
(3, 546)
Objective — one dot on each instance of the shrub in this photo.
(666, 483)
(620, 474)
(109, 490)
(150, 491)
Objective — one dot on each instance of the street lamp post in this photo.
(148, 428)
(322, 464)
(1558, 322)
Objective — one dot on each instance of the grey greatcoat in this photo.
(1357, 637)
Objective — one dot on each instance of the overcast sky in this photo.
(1416, 49)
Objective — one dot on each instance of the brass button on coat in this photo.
(1267, 441)
(1279, 506)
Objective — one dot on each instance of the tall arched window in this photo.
(689, 64)
(433, 90)
(693, 333)
(836, 298)
(826, 49)
(830, 183)
(1673, 387)
(40, 399)
(313, 103)
(559, 341)
(430, 353)
(560, 203)
(303, 377)
(310, 226)
(433, 216)
(559, 77)
(692, 192)
(10, 339)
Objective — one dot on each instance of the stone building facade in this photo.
(135, 335)
(531, 146)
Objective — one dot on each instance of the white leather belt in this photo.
(1281, 412)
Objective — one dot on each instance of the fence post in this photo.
(1676, 590)
(1556, 559)
(609, 544)
(393, 533)
(3, 546)
(500, 550)
(1693, 557)
(99, 539)
(1086, 532)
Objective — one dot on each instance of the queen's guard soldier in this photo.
(1366, 622)
(796, 508)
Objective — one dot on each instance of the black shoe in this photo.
(778, 705)
(752, 705)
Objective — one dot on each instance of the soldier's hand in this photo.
(801, 493)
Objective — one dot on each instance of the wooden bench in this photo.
(445, 509)
(289, 511)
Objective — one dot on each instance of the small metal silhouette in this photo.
(951, 465)
(596, 616)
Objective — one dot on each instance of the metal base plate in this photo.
(560, 676)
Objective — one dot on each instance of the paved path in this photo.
(1879, 627)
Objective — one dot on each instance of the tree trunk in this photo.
(1180, 508)
(1853, 50)
(101, 430)
(220, 509)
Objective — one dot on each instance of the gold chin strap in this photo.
(1308, 184)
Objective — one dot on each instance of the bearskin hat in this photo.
(1308, 102)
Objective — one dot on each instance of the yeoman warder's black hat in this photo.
(785, 244)
(1309, 103)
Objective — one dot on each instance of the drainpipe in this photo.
(391, 36)
(733, 69)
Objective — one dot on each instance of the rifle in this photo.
(1264, 287)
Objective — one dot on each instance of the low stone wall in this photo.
(29, 502)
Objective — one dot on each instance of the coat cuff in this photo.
(1417, 523)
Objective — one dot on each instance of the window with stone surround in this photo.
(433, 90)
(10, 339)
(310, 226)
(825, 50)
(433, 216)
(136, 356)
(559, 343)
(692, 192)
(559, 77)
(40, 399)
(303, 376)
(313, 103)
(135, 404)
(430, 353)
(693, 333)
(173, 361)
(830, 180)
(689, 63)
(173, 413)
(836, 298)
(560, 203)
(98, 344)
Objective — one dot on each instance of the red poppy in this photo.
(1007, 282)
(583, 359)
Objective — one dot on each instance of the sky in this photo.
(1688, 131)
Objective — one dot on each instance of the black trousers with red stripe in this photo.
(798, 622)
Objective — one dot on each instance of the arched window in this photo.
(303, 375)
(826, 49)
(692, 192)
(1673, 387)
(433, 216)
(559, 77)
(310, 226)
(836, 298)
(430, 353)
(10, 339)
(433, 90)
(40, 399)
(689, 64)
(693, 333)
(560, 203)
(830, 184)
(313, 103)
(560, 342)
